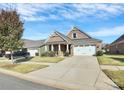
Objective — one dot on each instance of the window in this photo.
(81, 46)
(74, 35)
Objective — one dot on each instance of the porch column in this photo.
(45, 47)
(67, 48)
(59, 48)
(51, 47)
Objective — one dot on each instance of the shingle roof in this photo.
(32, 43)
(85, 41)
(120, 39)
(89, 40)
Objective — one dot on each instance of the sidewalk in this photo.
(77, 72)
(109, 67)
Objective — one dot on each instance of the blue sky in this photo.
(101, 21)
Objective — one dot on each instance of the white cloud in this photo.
(31, 12)
(107, 32)
(43, 12)
(99, 10)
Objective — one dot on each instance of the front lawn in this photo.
(116, 76)
(117, 60)
(3, 59)
(46, 59)
(23, 68)
(4, 63)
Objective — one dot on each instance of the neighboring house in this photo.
(32, 46)
(75, 43)
(117, 47)
(106, 48)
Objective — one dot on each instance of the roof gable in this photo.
(58, 37)
(85, 41)
(120, 39)
(80, 34)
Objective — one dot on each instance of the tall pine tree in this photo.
(11, 31)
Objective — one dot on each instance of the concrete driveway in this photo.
(77, 72)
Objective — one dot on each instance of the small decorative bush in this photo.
(44, 54)
(66, 54)
(48, 54)
(99, 53)
(51, 54)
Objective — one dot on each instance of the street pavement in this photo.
(12, 83)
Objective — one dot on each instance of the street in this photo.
(12, 83)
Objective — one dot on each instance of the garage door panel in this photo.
(33, 52)
(87, 50)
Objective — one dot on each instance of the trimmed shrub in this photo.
(48, 54)
(99, 53)
(44, 54)
(51, 54)
(66, 54)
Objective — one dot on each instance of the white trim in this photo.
(59, 47)
(52, 47)
(67, 48)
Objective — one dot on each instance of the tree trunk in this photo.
(12, 57)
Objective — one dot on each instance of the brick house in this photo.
(117, 47)
(75, 43)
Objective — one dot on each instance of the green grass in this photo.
(116, 76)
(46, 59)
(117, 60)
(23, 68)
(3, 59)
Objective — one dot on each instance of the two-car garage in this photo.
(84, 50)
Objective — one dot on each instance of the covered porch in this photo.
(59, 49)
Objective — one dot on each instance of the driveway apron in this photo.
(81, 71)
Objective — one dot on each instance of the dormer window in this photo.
(74, 35)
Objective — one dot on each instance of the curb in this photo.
(47, 82)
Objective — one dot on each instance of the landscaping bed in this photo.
(116, 60)
(116, 76)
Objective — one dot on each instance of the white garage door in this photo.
(85, 50)
(32, 52)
